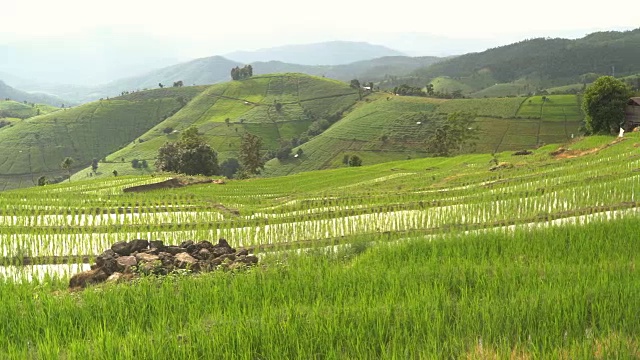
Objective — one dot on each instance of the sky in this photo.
(204, 28)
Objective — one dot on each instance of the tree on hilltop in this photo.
(604, 105)
(245, 72)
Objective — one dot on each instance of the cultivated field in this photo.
(385, 128)
(425, 258)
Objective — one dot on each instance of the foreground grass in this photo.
(565, 292)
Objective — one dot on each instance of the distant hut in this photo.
(633, 113)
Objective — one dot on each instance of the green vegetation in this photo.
(495, 108)
(36, 146)
(191, 155)
(223, 113)
(604, 105)
(21, 110)
(437, 257)
(388, 128)
(541, 63)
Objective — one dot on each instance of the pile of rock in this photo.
(126, 260)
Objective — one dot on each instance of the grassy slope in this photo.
(38, 145)
(14, 109)
(361, 131)
(249, 106)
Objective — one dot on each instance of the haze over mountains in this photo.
(325, 53)
(515, 69)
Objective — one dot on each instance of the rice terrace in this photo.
(475, 206)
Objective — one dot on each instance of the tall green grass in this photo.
(571, 291)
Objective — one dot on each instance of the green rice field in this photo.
(418, 259)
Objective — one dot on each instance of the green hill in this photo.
(386, 128)
(543, 62)
(22, 110)
(250, 106)
(36, 146)
(8, 92)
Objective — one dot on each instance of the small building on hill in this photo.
(633, 113)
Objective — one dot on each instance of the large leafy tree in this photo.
(604, 104)
(191, 155)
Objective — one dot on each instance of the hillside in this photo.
(36, 146)
(8, 92)
(249, 106)
(386, 128)
(324, 53)
(21, 110)
(541, 63)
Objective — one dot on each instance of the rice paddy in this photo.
(426, 258)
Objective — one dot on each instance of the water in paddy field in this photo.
(30, 273)
(64, 271)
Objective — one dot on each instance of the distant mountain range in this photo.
(325, 53)
(514, 69)
(8, 92)
(216, 69)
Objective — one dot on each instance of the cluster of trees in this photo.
(190, 155)
(239, 73)
(138, 164)
(408, 90)
(353, 160)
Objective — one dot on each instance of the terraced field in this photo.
(387, 128)
(36, 146)
(224, 112)
(534, 258)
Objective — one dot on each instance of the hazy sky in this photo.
(215, 26)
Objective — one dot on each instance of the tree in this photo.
(115, 172)
(160, 85)
(238, 73)
(451, 133)
(229, 167)
(66, 164)
(430, 90)
(355, 160)
(355, 83)
(178, 83)
(191, 155)
(42, 181)
(250, 153)
(604, 105)
(94, 164)
(135, 163)
(284, 151)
